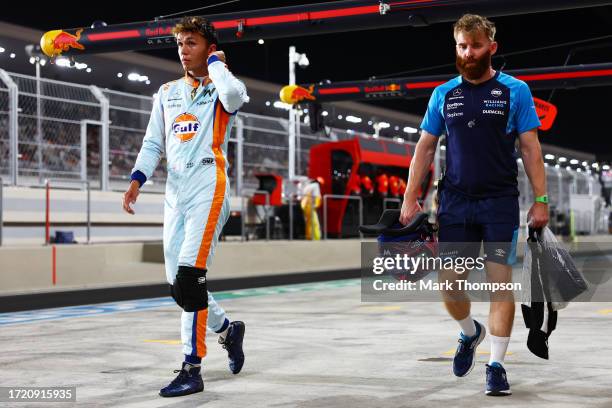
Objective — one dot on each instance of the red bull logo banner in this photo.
(293, 94)
(54, 43)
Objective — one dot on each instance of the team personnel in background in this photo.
(310, 203)
(191, 122)
(483, 112)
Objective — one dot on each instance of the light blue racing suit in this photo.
(191, 121)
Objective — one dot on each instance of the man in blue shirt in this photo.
(482, 112)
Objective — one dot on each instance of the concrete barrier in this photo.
(31, 269)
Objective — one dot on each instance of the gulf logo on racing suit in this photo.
(185, 127)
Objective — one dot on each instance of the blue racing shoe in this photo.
(233, 344)
(464, 356)
(497, 383)
(189, 381)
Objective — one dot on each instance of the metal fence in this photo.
(48, 127)
(266, 147)
(128, 119)
(5, 142)
(54, 129)
(67, 130)
(9, 109)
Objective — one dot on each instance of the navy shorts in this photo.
(465, 223)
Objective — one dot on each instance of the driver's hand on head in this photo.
(219, 54)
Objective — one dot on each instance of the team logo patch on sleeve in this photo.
(185, 127)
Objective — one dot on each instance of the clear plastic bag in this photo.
(549, 272)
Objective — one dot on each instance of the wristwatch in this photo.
(542, 199)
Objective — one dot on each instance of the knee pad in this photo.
(189, 290)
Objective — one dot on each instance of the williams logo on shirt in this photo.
(185, 127)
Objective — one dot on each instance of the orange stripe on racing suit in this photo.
(200, 339)
(220, 126)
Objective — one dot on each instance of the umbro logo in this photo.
(500, 252)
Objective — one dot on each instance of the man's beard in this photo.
(477, 67)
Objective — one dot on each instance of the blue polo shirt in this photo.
(482, 123)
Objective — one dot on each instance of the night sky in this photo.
(584, 114)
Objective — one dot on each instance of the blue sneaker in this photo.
(233, 344)
(497, 383)
(464, 356)
(189, 381)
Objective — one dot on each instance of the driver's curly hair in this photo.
(197, 25)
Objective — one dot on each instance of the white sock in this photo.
(223, 334)
(499, 345)
(468, 327)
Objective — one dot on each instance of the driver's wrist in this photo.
(139, 177)
(409, 197)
